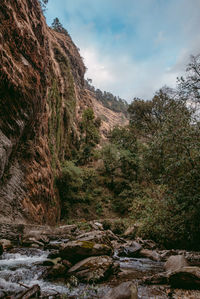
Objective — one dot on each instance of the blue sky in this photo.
(131, 47)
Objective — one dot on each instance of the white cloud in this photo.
(97, 69)
(152, 51)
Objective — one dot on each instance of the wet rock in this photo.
(160, 278)
(130, 251)
(58, 270)
(1, 249)
(43, 239)
(2, 294)
(151, 254)
(186, 277)
(93, 269)
(126, 290)
(175, 262)
(53, 254)
(6, 244)
(51, 262)
(75, 251)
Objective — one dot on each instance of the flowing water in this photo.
(23, 266)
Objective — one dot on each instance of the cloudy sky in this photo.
(131, 47)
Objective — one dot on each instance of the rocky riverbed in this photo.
(67, 262)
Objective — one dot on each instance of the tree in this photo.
(57, 26)
(147, 117)
(189, 87)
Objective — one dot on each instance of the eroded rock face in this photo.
(41, 77)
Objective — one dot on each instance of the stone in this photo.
(32, 242)
(96, 225)
(6, 244)
(185, 277)
(53, 254)
(1, 249)
(151, 254)
(93, 269)
(160, 278)
(126, 290)
(75, 251)
(147, 244)
(130, 232)
(175, 262)
(52, 262)
(130, 251)
(98, 236)
(58, 270)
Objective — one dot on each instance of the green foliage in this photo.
(89, 127)
(170, 158)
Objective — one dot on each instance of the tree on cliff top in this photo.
(57, 26)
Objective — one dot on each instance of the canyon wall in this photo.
(41, 94)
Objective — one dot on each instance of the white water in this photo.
(25, 268)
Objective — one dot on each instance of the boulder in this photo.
(185, 277)
(98, 236)
(6, 244)
(51, 262)
(160, 278)
(126, 290)
(93, 269)
(96, 225)
(175, 263)
(147, 244)
(58, 270)
(130, 232)
(151, 254)
(130, 251)
(75, 251)
(65, 230)
(32, 242)
(53, 254)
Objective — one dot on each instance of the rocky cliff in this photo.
(41, 94)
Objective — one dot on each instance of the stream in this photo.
(24, 266)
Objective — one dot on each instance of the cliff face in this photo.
(41, 87)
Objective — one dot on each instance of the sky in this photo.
(131, 47)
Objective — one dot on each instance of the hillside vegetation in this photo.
(148, 171)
